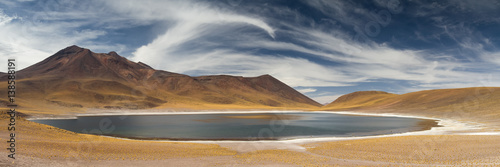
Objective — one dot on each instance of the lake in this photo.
(239, 126)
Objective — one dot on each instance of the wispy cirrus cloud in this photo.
(358, 61)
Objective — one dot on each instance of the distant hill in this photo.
(358, 99)
(76, 79)
(462, 102)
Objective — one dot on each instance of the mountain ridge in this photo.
(76, 79)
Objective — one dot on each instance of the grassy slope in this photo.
(480, 103)
(358, 100)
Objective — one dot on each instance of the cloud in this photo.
(344, 12)
(491, 57)
(325, 99)
(4, 19)
(36, 35)
(251, 39)
(30, 42)
(358, 61)
(185, 13)
(307, 90)
(293, 71)
(365, 61)
(7, 2)
(196, 22)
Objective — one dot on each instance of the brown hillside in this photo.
(464, 102)
(357, 100)
(360, 97)
(76, 79)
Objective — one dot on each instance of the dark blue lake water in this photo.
(237, 126)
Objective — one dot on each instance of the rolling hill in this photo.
(76, 79)
(462, 103)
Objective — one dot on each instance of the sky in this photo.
(322, 48)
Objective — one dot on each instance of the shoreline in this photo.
(231, 112)
(168, 113)
(446, 126)
(445, 143)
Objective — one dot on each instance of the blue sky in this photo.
(322, 48)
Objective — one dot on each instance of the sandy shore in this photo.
(456, 143)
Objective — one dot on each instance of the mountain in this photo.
(75, 79)
(75, 62)
(462, 102)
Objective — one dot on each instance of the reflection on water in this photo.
(261, 126)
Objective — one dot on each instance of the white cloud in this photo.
(185, 13)
(4, 19)
(292, 71)
(493, 57)
(30, 42)
(307, 90)
(360, 61)
(326, 99)
(366, 61)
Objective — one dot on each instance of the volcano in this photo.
(77, 79)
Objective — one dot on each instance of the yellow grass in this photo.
(283, 157)
(430, 150)
(42, 141)
(478, 104)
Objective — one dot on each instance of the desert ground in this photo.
(459, 143)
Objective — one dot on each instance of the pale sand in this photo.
(457, 143)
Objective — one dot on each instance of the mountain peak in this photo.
(70, 49)
(113, 53)
(265, 76)
(74, 61)
(108, 80)
(74, 46)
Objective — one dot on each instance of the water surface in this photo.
(238, 126)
